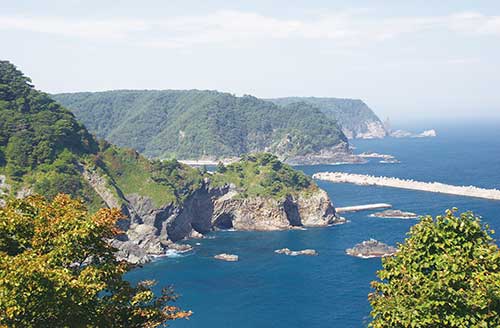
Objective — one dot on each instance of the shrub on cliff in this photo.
(262, 174)
(446, 274)
(57, 270)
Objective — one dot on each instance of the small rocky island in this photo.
(287, 251)
(227, 257)
(371, 248)
(394, 214)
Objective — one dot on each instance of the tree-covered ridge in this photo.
(40, 141)
(262, 174)
(34, 129)
(192, 124)
(43, 149)
(351, 114)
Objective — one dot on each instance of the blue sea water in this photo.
(265, 289)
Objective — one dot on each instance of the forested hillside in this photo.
(193, 124)
(356, 119)
(44, 149)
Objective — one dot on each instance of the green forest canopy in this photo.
(192, 124)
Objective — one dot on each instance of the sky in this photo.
(407, 60)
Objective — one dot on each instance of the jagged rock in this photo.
(227, 257)
(287, 251)
(317, 210)
(371, 248)
(373, 130)
(256, 213)
(101, 187)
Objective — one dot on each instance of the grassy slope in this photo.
(264, 175)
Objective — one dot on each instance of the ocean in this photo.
(264, 289)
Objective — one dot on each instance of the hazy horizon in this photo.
(406, 61)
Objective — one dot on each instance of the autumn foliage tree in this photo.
(446, 274)
(58, 270)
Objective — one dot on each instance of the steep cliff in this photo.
(257, 193)
(153, 230)
(355, 118)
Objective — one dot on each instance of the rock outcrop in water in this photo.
(287, 251)
(371, 248)
(394, 214)
(227, 257)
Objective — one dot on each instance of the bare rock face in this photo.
(373, 130)
(4, 189)
(317, 210)
(264, 214)
(249, 214)
(150, 230)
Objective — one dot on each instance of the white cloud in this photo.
(349, 28)
(105, 29)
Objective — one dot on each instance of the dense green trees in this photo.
(262, 174)
(446, 274)
(193, 123)
(351, 114)
(34, 129)
(58, 270)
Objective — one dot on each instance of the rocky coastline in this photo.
(150, 231)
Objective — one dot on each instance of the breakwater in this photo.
(369, 180)
(366, 207)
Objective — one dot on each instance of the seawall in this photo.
(369, 180)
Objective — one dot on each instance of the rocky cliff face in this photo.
(150, 231)
(355, 118)
(368, 130)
